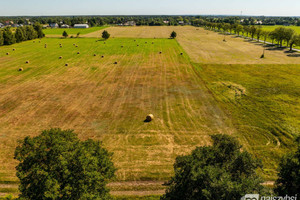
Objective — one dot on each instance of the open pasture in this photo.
(272, 28)
(107, 101)
(54, 32)
(208, 47)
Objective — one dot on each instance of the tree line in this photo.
(280, 34)
(157, 20)
(57, 165)
(24, 33)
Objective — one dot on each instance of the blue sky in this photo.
(149, 7)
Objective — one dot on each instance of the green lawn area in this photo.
(71, 31)
(272, 28)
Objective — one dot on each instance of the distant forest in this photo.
(153, 20)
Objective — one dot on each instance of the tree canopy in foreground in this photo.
(288, 181)
(221, 171)
(57, 165)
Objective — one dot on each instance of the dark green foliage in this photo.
(19, 35)
(105, 35)
(65, 34)
(221, 171)
(8, 36)
(78, 34)
(39, 30)
(30, 33)
(288, 181)
(173, 35)
(57, 165)
(1, 38)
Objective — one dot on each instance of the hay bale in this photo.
(181, 53)
(149, 118)
(160, 52)
(27, 62)
(66, 64)
(14, 49)
(122, 46)
(60, 57)
(95, 55)
(78, 52)
(33, 41)
(102, 56)
(137, 45)
(152, 42)
(39, 41)
(7, 53)
(104, 43)
(135, 40)
(146, 42)
(20, 69)
(115, 63)
(76, 46)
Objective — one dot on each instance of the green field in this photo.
(71, 31)
(272, 28)
(191, 97)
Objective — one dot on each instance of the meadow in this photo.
(53, 32)
(272, 28)
(213, 87)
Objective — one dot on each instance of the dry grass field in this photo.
(107, 101)
(214, 87)
(205, 46)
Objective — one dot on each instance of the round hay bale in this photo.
(102, 56)
(95, 55)
(78, 52)
(137, 45)
(152, 42)
(115, 63)
(146, 42)
(76, 45)
(181, 53)
(39, 41)
(104, 43)
(60, 44)
(160, 52)
(135, 40)
(60, 57)
(20, 69)
(66, 64)
(14, 49)
(7, 53)
(149, 118)
(33, 41)
(27, 62)
(122, 46)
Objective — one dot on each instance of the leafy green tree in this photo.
(265, 35)
(65, 34)
(39, 30)
(252, 31)
(30, 33)
(1, 38)
(280, 35)
(238, 29)
(105, 35)
(19, 35)
(221, 171)
(57, 165)
(294, 41)
(258, 33)
(288, 35)
(288, 181)
(173, 35)
(8, 36)
(78, 34)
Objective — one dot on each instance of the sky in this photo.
(149, 7)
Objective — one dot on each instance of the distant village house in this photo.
(53, 25)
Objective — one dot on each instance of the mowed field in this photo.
(214, 87)
(205, 46)
(109, 102)
(272, 28)
(57, 32)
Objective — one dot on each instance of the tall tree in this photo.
(65, 34)
(105, 35)
(19, 35)
(289, 33)
(57, 165)
(294, 41)
(252, 31)
(288, 181)
(221, 171)
(30, 33)
(1, 38)
(39, 30)
(8, 36)
(258, 33)
(173, 35)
